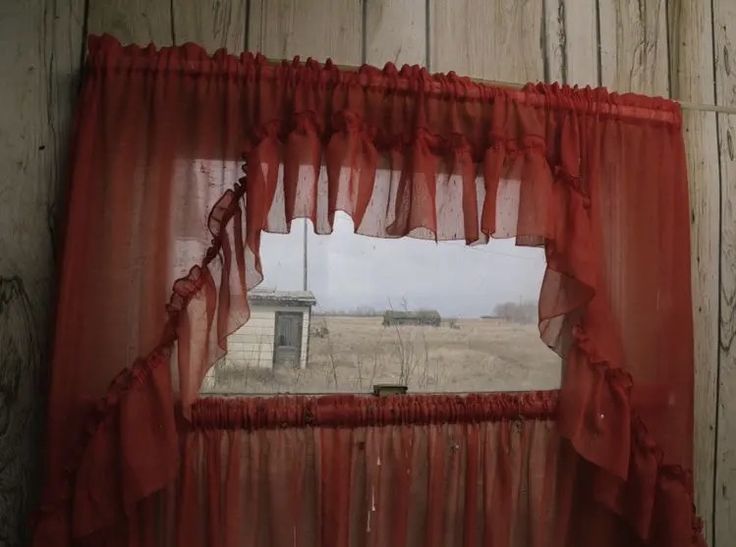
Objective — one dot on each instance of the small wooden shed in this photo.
(277, 333)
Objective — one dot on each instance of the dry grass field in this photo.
(351, 354)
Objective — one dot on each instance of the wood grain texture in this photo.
(724, 517)
(215, 24)
(132, 21)
(691, 51)
(63, 48)
(633, 46)
(396, 31)
(691, 79)
(40, 54)
(724, 42)
(308, 28)
(492, 40)
(571, 42)
(20, 411)
(701, 148)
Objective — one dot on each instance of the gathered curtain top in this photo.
(306, 79)
(278, 412)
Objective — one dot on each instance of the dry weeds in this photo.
(357, 352)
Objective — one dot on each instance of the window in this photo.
(344, 312)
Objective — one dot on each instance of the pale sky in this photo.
(347, 271)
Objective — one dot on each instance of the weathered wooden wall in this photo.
(679, 48)
(40, 55)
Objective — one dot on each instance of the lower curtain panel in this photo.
(497, 482)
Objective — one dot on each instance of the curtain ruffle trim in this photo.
(654, 498)
(366, 411)
(107, 53)
(139, 411)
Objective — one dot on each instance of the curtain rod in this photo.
(684, 105)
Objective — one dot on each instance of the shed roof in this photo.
(287, 298)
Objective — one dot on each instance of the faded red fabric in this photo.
(426, 470)
(598, 179)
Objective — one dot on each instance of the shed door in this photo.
(288, 340)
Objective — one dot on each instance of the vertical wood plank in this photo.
(40, 53)
(213, 25)
(571, 42)
(25, 265)
(555, 41)
(62, 59)
(132, 21)
(396, 31)
(633, 46)
(493, 40)
(691, 79)
(701, 148)
(724, 517)
(308, 28)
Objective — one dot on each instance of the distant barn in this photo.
(425, 317)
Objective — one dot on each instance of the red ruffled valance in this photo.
(597, 179)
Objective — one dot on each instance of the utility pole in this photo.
(306, 226)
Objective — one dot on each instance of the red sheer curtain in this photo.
(597, 179)
(427, 470)
(424, 471)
